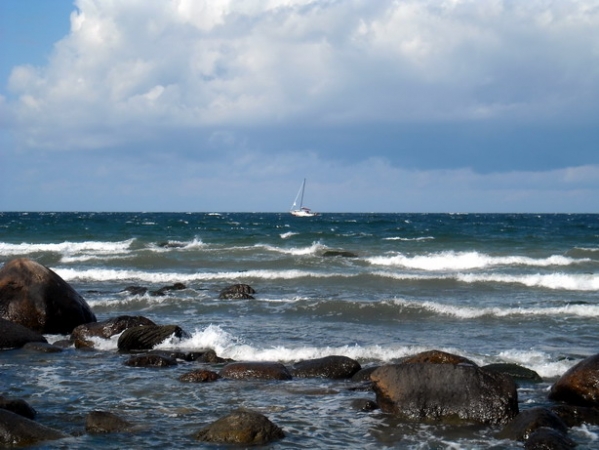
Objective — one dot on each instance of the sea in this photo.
(494, 288)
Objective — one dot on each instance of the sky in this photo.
(227, 105)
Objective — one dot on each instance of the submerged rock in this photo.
(241, 428)
(17, 406)
(529, 420)
(437, 357)
(445, 393)
(151, 360)
(100, 422)
(200, 376)
(34, 296)
(518, 373)
(16, 430)
(548, 439)
(237, 292)
(255, 370)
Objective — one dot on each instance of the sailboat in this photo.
(298, 209)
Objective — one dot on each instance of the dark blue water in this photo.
(375, 287)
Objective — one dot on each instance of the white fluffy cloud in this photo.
(132, 68)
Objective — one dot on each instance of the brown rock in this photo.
(579, 385)
(446, 393)
(237, 292)
(200, 376)
(335, 367)
(150, 360)
(242, 428)
(34, 296)
(255, 370)
(436, 357)
(106, 329)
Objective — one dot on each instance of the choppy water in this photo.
(494, 288)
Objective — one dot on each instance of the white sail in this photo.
(298, 209)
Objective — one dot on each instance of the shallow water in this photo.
(493, 288)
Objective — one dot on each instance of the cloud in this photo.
(131, 70)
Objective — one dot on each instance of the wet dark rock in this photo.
(518, 373)
(445, 393)
(339, 253)
(334, 367)
(151, 360)
(548, 439)
(437, 357)
(579, 386)
(203, 356)
(165, 289)
(146, 337)
(34, 296)
(255, 370)
(42, 347)
(101, 422)
(529, 420)
(17, 406)
(237, 292)
(135, 290)
(171, 245)
(363, 374)
(106, 329)
(200, 376)
(241, 428)
(13, 335)
(575, 416)
(16, 430)
(365, 405)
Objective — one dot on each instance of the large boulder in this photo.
(530, 420)
(445, 393)
(106, 329)
(34, 296)
(16, 430)
(579, 385)
(146, 337)
(334, 367)
(256, 371)
(241, 428)
(13, 335)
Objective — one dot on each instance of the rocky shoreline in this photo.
(429, 387)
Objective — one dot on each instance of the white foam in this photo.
(574, 282)
(67, 248)
(457, 261)
(288, 234)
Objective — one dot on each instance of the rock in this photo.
(436, 357)
(335, 367)
(106, 329)
(242, 428)
(150, 360)
(16, 430)
(17, 406)
(548, 439)
(529, 420)
(200, 376)
(579, 386)
(365, 405)
(445, 393)
(135, 290)
(42, 347)
(13, 335)
(575, 416)
(363, 374)
(34, 296)
(518, 373)
(146, 337)
(255, 370)
(100, 422)
(165, 289)
(237, 292)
